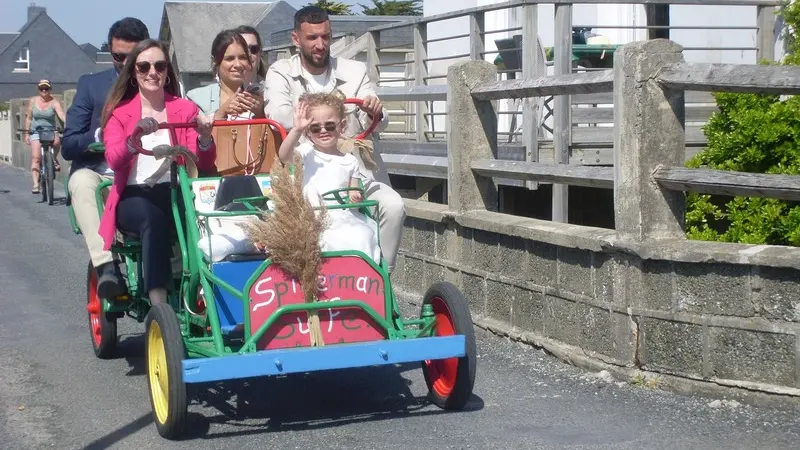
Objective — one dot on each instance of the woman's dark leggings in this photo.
(146, 212)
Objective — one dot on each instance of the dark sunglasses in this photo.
(144, 66)
(315, 128)
(119, 57)
(254, 49)
(44, 89)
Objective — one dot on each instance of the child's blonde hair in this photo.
(324, 99)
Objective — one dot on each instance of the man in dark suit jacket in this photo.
(89, 168)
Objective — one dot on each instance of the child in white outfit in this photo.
(321, 118)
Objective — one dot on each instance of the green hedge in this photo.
(751, 133)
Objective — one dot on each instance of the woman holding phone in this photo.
(246, 149)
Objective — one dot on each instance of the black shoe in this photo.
(110, 284)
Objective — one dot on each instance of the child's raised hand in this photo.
(301, 119)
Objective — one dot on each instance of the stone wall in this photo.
(725, 314)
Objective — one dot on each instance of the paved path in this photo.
(55, 394)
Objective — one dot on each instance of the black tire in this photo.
(164, 351)
(49, 174)
(450, 381)
(43, 178)
(102, 326)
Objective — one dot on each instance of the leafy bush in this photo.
(751, 133)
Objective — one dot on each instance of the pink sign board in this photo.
(341, 278)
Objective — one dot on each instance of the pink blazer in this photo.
(115, 135)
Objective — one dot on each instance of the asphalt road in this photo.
(55, 394)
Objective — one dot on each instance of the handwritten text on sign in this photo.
(341, 278)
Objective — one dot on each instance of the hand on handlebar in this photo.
(146, 125)
(372, 105)
(204, 125)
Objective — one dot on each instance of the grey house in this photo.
(190, 27)
(355, 26)
(40, 50)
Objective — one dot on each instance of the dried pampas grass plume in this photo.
(291, 234)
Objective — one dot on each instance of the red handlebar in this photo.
(232, 123)
(375, 120)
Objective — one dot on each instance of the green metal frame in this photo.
(202, 333)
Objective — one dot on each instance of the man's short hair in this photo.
(309, 14)
(128, 29)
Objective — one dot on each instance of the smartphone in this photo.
(253, 88)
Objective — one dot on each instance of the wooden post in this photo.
(476, 39)
(530, 108)
(420, 72)
(648, 132)
(472, 134)
(373, 55)
(765, 36)
(562, 123)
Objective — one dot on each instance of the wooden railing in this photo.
(580, 130)
(649, 178)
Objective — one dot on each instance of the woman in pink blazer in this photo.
(145, 95)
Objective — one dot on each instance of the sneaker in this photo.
(110, 284)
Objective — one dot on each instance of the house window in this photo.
(23, 61)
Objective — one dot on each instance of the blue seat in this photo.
(236, 273)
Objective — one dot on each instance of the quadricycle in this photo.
(243, 316)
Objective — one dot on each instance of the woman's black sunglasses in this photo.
(315, 128)
(254, 49)
(144, 66)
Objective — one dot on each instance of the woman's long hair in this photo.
(225, 39)
(125, 88)
(262, 64)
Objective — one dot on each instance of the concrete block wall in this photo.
(708, 318)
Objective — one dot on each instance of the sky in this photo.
(89, 20)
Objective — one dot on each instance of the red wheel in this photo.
(103, 328)
(450, 381)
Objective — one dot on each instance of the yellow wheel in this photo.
(164, 354)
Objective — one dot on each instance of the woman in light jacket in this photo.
(237, 95)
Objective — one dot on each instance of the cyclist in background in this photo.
(42, 112)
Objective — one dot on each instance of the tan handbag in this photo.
(232, 155)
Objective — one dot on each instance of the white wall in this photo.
(5, 136)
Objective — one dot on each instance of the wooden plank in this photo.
(416, 165)
(743, 78)
(412, 93)
(562, 124)
(580, 83)
(420, 73)
(597, 115)
(598, 177)
(605, 135)
(438, 92)
(607, 98)
(530, 108)
(724, 182)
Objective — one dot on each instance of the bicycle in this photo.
(47, 163)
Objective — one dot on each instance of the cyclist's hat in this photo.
(44, 83)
